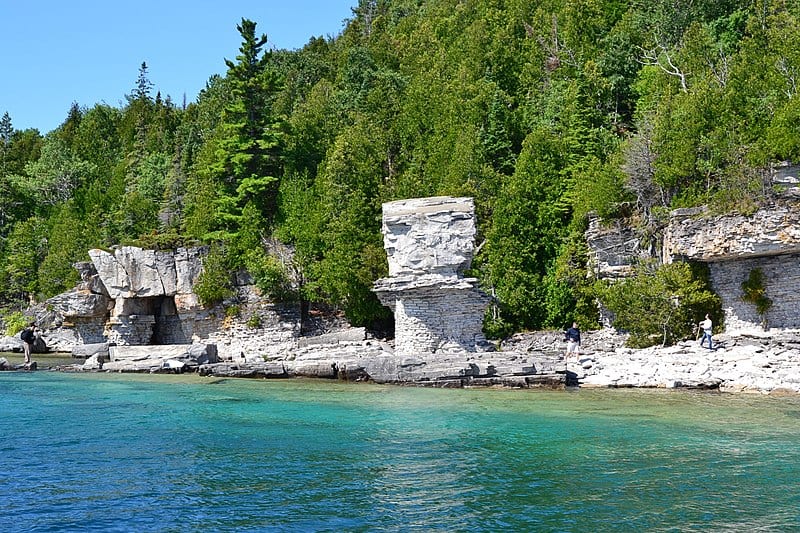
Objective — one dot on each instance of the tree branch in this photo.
(659, 57)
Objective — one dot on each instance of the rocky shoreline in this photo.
(750, 360)
(742, 361)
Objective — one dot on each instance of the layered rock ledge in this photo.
(766, 232)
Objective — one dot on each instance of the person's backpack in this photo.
(27, 335)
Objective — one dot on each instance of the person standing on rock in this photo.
(28, 337)
(573, 338)
(706, 326)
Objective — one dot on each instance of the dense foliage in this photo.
(660, 305)
(542, 111)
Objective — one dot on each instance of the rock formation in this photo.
(82, 312)
(152, 293)
(767, 232)
(733, 246)
(613, 248)
(429, 244)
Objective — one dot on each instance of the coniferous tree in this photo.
(244, 155)
(6, 130)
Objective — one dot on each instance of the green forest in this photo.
(543, 111)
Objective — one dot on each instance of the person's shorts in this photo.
(572, 346)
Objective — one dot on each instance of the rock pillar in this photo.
(429, 244)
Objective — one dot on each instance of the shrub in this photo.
(254, 321)
(494, 326)
(659, 303)
(214, 282)
(270, 277)
(16, 322)
(755, 292)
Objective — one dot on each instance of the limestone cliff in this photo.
(731, 245)
(769, 231)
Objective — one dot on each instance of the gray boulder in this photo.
(97, 351)
(10, 344)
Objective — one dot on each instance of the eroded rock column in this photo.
(429, 244)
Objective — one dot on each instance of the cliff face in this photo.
(132, 272)
(613, 249)
(731, 245)
(735, 245)
(774, 231)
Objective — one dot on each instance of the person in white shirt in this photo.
(706, 326)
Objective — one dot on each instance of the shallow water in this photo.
(109, 452)
(44, 361)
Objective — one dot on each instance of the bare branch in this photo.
(556, 51)
(720, 69)
(659, 57)
(790, 73)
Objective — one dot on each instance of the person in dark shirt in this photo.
(573, 338)
(28, 337)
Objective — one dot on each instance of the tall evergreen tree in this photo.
(245, 152)
(6, 129)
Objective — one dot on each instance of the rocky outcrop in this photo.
(735, 245)
(429, 244)
(78, 315)
(767, 232)
(150, 291)
(613, 248)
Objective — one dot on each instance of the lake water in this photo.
(111, 452)
(44, 361)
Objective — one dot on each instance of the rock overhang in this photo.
(690, 235)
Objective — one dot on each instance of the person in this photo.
(573, 337)
(706, 326)
(28, 337)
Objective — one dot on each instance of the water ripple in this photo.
(173, 455)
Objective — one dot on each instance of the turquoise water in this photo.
(106, 452)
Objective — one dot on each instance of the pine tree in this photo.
(6, 130)
(249, 138)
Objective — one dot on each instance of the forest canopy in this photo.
(544, 112)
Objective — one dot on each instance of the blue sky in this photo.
(56, 52)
